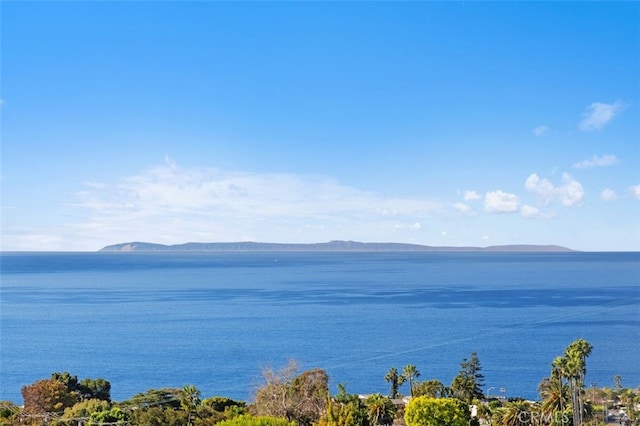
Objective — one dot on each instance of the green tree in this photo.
(432, 388)
(189, 401)
(410, 373)
(467, 385)
(617, 382)
(70, 381)
(157, 416)
(222, 403)
(575, 369)
(343, 411)
(248, 420)
(165, 397)
(425, 411)
(95, 389)
(396, 380)
(519, 413)
(381, 410)
(113, 416)
(554, 395)
(215, 409)
(561, 397)
(484, 412)
(76, 414)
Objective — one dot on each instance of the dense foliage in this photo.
(288, 397)
(425, 411)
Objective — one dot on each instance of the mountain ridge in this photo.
(331, 246)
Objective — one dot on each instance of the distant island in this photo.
(332, 246)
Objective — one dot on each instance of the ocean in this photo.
(216, 320)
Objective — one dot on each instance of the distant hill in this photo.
(332, 246)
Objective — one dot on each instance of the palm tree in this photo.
(484, 412)
(410, 372)
(517, 413)
(584, 349)
(553, 389)
(189, 400)
(575, 370)
(553, 393)
(617, 382)
(572, 373)
(396, 381)
(380, 410)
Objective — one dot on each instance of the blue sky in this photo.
(437, 123)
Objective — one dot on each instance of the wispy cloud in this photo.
(540, 130)
(529, 211)
(570, 193)
(599, 114)
(471, 196)
(170, 204)
(500, 202)
(609, 195)
(463, 208)
(635, 191)
(595, 161)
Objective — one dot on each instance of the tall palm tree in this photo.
(576, 369)
(555, 394)
(583, 348)
(410, 372)
(572, 373)
(189, 400)
(617, 382)
(396, 380)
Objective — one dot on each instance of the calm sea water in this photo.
(150, 320)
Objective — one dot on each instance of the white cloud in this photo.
(416, 226)
(635, 191)
(543, 188)
(609, 195)
(463, 208)
(570, 193)
(599, 114)
(500, 202)
(595, 161)
(172, 204)
(540, 130)
(529, 211)
(471, 195)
